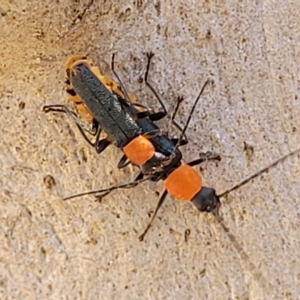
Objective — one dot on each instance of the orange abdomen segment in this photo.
(139, 150)
(73, 95)
(73, 60)
(183, 183)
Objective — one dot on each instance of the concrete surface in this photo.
(81, 249)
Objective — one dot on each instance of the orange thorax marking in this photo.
(139, 150)
(183, 183)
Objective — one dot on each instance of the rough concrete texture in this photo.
(81, 249)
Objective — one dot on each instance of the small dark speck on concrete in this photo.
(49, 182)
(208, 34)
(22, 105)
(249, 150)
(186, 234)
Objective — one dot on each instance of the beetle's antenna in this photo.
(191, 113)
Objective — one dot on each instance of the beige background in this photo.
(81, 249)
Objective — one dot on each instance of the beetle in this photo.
(97, 99)
(180, 180)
